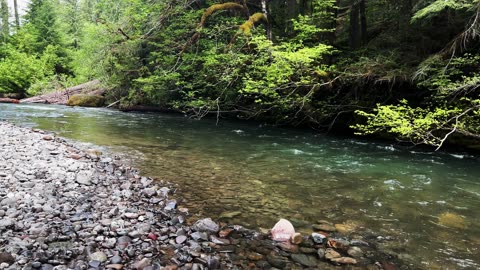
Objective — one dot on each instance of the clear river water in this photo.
(421, 206)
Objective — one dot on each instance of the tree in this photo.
(17, 16)
(41, 20)
(4, 24)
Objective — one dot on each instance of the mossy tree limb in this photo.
(218, 7)
(250, 23)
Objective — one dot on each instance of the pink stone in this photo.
(282, 231)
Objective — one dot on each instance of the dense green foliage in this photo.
(408, 68)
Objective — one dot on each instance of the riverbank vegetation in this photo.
(406, 68)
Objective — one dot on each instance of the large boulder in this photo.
(86, 100)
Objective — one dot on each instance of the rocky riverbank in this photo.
(63, 207)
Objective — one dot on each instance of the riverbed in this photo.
(419, 205)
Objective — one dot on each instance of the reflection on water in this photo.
(423, 207)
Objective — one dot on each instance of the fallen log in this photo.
(61, 97)
(9, 100)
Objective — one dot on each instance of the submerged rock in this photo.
(452, 220)
(355, 252)
(324, 226)
(344, 260)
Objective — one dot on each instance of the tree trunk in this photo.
(292, 12)
(269, 25)
(17, 17)
(5, 30)
(354, 25)
(363, 21)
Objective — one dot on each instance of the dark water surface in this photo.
(421, 206)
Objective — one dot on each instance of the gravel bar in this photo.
(64, 207)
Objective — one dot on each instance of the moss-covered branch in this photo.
(250, 23)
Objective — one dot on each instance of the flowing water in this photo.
(421, 206)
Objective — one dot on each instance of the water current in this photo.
(419, 205)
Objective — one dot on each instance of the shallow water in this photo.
(421, 206)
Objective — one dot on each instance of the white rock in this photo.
(282, 231)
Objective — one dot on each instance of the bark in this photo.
(292, 12)
(8, 100)
(4, 14)
(354, 25)
(267, 15)
(17, 17)
(363, 21)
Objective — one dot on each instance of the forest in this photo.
(404, 69)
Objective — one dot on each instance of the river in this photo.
(421, 206)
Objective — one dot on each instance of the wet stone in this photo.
(318, 238)
(277, 261)
(331, 254)
(304, 260)
(321, 253)
(344, 260)
(296, 238)
(355, 252)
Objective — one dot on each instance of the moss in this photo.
(86, 101)
(255, 18)
(217, 7)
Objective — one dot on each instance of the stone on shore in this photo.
(282, 231)
(206, 225)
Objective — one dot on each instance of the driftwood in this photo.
(61, 97)
(9, 100)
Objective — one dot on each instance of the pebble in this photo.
(142, 264)
(344, 260)
(115, 266)
(331, 254)
(6, 258)
(206, 225)
(296, 238)
(98, 256)
(116, 259)
(180, 239)
(355, 252)
(318, 238)
(305, 260)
